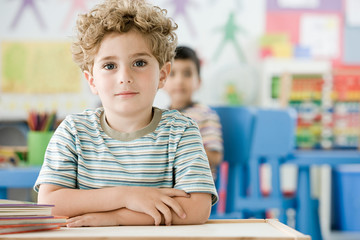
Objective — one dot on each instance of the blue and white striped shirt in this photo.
(85, 153)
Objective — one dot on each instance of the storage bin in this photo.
(347, 197)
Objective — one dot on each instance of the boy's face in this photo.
(126, 75)
(182, 82)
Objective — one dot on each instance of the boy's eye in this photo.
(187, 73)
(139, 63)
(109, 66)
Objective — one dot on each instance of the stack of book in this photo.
(19, 217)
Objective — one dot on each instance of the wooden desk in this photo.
(257, 229)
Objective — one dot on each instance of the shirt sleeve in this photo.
(210, 129)
(60, 161)
(191, 166)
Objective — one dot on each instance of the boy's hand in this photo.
(155, 201)
(93, 220)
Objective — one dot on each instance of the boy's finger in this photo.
(74, 223)
(165, 210)
(175, 206)
(154, 213)
(71, 220)
(173, 192)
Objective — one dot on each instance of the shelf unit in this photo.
(346, 111)
(337, 109)
(306, 86)
(326, 99)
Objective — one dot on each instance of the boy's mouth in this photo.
(126, 94)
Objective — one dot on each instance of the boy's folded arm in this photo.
(74, 202)
(197, 209)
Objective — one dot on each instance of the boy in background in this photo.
(126, 163)
(183, 81)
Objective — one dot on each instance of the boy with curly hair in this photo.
(126, 163)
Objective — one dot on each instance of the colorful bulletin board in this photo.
(36, 67)
(317, 29)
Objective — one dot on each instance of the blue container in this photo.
(347, 197)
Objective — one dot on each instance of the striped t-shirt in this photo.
(86, 153)
(210, 128)
(209, 125)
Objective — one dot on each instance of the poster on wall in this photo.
(38, 68)
(321, 34)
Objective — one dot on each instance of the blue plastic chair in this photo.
(272, 141)
(237, 127)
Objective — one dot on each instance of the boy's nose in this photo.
(127, 80)
(125, 76)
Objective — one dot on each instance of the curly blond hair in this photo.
(122, 16)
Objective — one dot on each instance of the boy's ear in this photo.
(164, 73)
(90, 79)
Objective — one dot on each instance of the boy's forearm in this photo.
(74, 202)
(197, 209)
(127, 217)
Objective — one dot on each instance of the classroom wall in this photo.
(231, 37)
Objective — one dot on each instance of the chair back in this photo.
(274, 132)
(237, 127)
(273, 140)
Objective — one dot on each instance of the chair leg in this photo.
(307, 217)
(282, 216)
(276, 188)
(254, 178)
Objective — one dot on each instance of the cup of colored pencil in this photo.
(42, 126)
(41, 121)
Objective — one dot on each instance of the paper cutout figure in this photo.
(77, 6)
(27, 4)
(180, 10)
(230, 30)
